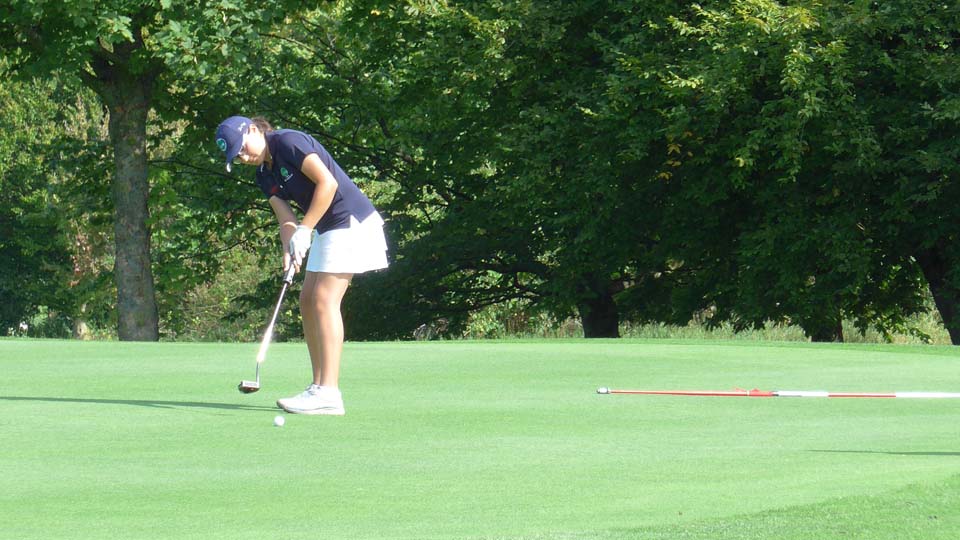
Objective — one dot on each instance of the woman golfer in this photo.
(340, 228)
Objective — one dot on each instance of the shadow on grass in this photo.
(144, 403)
(942, 454)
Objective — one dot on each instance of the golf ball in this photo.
(279, 421)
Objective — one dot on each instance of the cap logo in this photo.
(222, 145)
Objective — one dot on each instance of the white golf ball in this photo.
(279, 421)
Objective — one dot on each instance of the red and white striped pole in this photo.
(785, 393)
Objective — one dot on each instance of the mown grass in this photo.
(477, 440)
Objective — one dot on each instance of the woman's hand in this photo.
(300, 243)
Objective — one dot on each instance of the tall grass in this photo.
(210, 313)
(514, 320)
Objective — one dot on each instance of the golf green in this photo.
(477, 440)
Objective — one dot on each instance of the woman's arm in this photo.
(288, 224)
(319, 174)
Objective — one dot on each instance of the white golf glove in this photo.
(300, 243)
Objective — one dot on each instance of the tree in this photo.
(802, 159)
(905, 57)
(33, 251)
(486, 118)
(131, 56)
(399, 94)
(644, 160)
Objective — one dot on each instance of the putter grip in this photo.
(288, 276)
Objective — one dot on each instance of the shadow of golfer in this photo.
(144, 403)
(940, 454)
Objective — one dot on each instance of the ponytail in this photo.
(262, 124)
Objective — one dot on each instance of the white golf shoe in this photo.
(314, 400)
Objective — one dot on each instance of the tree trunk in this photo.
(600, 316)
(127, 96)
(945, 294)
(828, 333)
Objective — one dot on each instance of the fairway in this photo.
(477, 440)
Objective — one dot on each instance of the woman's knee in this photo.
(306, 297)
(320, 301)
(322, 294)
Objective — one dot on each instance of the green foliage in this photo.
(24, 215)
(493, 142)
(45, 324)
(216, 309)
(53, 240)
(779, 182)
(617, 163)
(137, 58)
(678, 158)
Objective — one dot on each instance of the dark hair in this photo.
(262, 124)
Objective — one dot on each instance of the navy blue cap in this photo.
(230, 134)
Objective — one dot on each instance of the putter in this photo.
(249, 387)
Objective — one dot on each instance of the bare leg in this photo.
(322, 323)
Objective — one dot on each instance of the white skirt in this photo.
(360, 248)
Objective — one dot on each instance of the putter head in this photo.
(248, 387)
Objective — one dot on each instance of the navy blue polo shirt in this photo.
(289, 148)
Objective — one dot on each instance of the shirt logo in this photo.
(285, 173)
(222, 145)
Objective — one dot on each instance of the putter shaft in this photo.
(250, 386)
